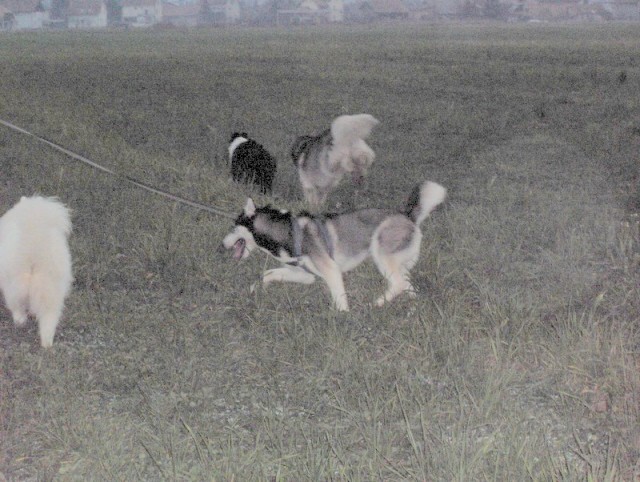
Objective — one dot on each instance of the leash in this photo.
(129, 179)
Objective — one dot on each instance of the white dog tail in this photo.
(346, 130)
(423, 199)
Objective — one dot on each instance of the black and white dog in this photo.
(251, 163)
(332, 244)
(323, 160)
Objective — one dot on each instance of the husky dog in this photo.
(250, 162)
(323, 160)
(35, 262)
(332, 244)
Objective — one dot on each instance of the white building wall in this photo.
(143, 15)
(30, 21)
(89, 21)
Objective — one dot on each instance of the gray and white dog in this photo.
(323, 160)
(332, 244)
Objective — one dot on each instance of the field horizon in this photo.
(518, 360)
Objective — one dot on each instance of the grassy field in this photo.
(519, 359)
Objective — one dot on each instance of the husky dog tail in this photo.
(423, 199)
(349, 129)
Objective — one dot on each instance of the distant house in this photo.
(141, 13)
(335, 10)
(204, 12)
(535, 10)
(570, 10)
(312, 12)
(221, 12)
(85, 14)
(423, 12)
(619, 9)
(23, 14)
(451, 9)
(181, 15)
(6, 18)
(376, 10)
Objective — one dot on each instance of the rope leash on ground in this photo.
(129, 179)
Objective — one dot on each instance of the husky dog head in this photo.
(355, 160)
(241, 238)
(265, 228)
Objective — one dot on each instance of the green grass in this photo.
(517, 361)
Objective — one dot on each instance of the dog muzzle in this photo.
(239, 248)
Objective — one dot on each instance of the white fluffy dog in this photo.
(35, 262)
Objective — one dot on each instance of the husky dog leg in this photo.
(330, 272)
(397, 274)
(395, 248)
(325, 269)
(292, 274)
(334, 280)
(315, 196)
(333, 277)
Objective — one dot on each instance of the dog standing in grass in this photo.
(251, 162)
(323, 160)
(35, 262)
(329, 245)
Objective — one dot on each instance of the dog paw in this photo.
(19, 318)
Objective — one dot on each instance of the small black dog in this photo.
(251, 163)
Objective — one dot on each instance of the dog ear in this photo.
(298, 148)
(249, 208)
